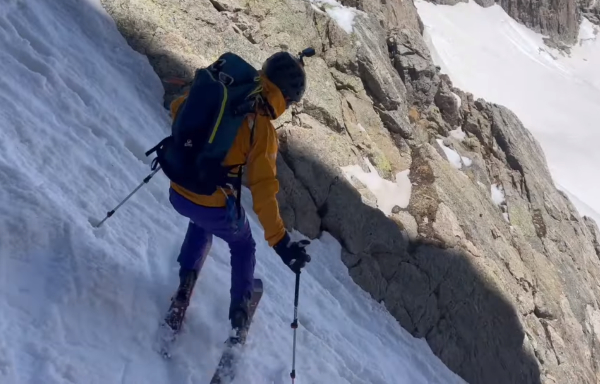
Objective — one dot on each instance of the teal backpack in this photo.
(220, 97)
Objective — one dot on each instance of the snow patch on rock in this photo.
(453, 157)
(497, 194)
(389, 194)
(342, 15)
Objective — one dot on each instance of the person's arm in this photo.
(262, 179)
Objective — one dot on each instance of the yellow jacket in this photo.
(260, 158)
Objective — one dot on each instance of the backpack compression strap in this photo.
(237, 188)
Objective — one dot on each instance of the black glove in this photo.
(292, 253)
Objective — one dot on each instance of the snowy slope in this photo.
(487, 53)
(82, 305)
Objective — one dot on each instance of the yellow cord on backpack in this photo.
(258, 90)
(214, 132)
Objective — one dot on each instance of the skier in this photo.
(282, 83)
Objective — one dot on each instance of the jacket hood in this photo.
(273, 96)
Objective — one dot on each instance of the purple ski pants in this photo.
(206, 222)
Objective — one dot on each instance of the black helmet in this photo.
(286, 71)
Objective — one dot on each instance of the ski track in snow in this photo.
(82, 305)
(487, 53)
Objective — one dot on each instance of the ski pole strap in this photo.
(157, 146)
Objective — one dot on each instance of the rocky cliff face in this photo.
(559, 20)
(591, 10)
(504, 290)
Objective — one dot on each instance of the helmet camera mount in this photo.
(308, 52)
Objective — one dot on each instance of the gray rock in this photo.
(295, 204)
(410, 289)
(366, 196)
(436, 123)
(558, 19)
(365, 126)
(344, 81)
(446, 227)
(381, 81)
(590, 9)
(283, 25)
(366, 273)
(485, 3)
(363, 229)
(478, 171)
(413, 62)
(552, 42)
(390, 14)
(321, 100)
(227, 5)
(315, 154)
(464, 298)
(595, 233)
(407, 223)
(521, 271)
(523, 152)
(592, 16)
(396, 122)
(560, 240)
(478, 125)
(424, 199)
(448, 104)
(379, 77)
(339, 47)
(449, 2)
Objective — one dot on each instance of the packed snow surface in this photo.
(557, 97)
(82, 305)
(388, 194)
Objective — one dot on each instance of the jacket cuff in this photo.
(283, 243)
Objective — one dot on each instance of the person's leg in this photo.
(198, 239)
(243, 261)
(216, 221)
(242, 247)
(194, 249)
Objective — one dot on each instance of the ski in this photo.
(225, 372)
(169, 329)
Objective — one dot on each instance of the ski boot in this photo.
(239, 323)
(181, 300)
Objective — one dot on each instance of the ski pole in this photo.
(295, 326)
(145, 181)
